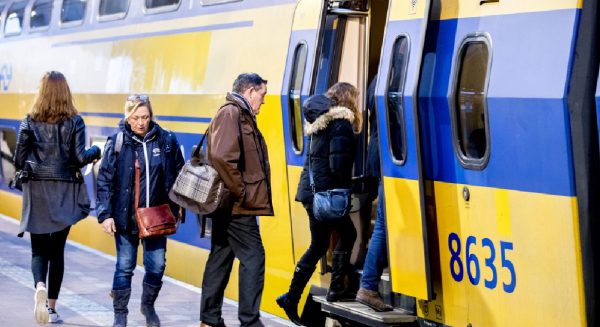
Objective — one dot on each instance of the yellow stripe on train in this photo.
(506, 258)
(407, 10)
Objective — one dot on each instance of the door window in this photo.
(395, 100)
(469, 103)
(294, 94)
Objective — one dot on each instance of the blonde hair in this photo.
(346, 95)
(54, 102)
(135, 101)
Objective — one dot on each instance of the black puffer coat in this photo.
(331, 150)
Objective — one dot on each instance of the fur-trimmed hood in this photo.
(323, 120)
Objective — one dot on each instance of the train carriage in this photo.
(487, 114)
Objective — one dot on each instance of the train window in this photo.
(40, 15)
(161, 3)
(8, 141)
(468, 102)
(395, 100)
(216, 2)
(73, 11)
(113, 9)
(14, 18)
(294, 97)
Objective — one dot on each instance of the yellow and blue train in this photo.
(487, 121)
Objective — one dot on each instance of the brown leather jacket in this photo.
(250, 189)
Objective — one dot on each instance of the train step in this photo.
(357, 312)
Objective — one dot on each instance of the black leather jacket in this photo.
(53, 151)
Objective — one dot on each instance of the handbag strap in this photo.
(137, 184)
(310, 173)
(196, 153)
(242, 160)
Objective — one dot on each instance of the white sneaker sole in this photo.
(56, 319)
(40, 311)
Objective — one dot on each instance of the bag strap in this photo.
(310, 173)
(137, 184)
(196, 153)
(242, 160)
(118, 143)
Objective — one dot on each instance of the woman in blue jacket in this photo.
(159, 157)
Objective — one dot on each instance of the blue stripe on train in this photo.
(528, 117)
(187, 233)
(159, 118)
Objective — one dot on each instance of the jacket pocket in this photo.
(256, 195)
(248, 138)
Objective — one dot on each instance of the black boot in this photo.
(289, 301)
(339, 270)
(120, 301)
(149, 294)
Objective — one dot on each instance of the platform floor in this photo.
(84, 299)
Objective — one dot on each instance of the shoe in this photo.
(372, 300)
(207, 325)
(54, 318)
(289, 301)
(339, 270)
(120, 301)
(39, 310)
(290, 306)
(149, 295)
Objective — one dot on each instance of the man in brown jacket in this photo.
(238, 152)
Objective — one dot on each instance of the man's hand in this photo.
(109, 227)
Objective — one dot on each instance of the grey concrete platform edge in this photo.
(84, 297)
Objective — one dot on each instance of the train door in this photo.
(302, 54)
(400, 147)
(328, 45)
(497, 154)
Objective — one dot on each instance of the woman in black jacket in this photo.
(51, 149)
(331, 122)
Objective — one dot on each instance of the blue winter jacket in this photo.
(116, 187)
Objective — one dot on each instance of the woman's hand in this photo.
(108, 225)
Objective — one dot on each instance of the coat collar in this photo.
(152, 133)
(323, 120)
(240, 101)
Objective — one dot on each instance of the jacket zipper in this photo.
(147, 175)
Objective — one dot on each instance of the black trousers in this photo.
(234, 237)
(47, 260)
(320, 234)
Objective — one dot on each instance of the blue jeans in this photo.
(155, 249)
(377, 254)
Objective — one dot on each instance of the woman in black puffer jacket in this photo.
(331, 124)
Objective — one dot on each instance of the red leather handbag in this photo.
(152, 221)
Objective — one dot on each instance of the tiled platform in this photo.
(84, 299)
